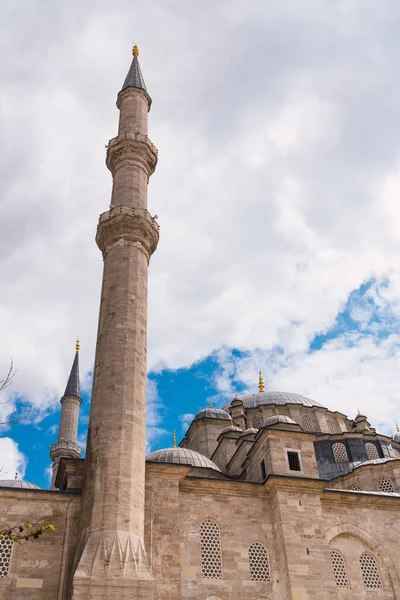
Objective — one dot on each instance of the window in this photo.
(355, 488)
(6, 546)
(370, 572)
(263, 470)
(371, 450)
(339, 570)
(331, 425)
(340, 452)
(257, 422)
(210, 547)
(385, 485)
(259, 563)
(294, 461)
(308, 424)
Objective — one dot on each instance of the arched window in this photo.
(210, 547)
(339, 570)
(331, 426)
(370, 572)
(308, 423)
(256, 422)
(371, 451)
(340, 452)
(259, 563)
(385, 485)
(355, 488)
(6, 546)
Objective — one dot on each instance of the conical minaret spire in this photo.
(66, 446)
(113, 498)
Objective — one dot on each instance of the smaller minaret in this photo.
(66, 446)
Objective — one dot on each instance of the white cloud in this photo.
(12, 460)
(277, 182)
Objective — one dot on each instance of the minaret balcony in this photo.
(63, 448)
(131, 148)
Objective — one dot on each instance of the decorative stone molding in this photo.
(109, 554)
(132, 149)
(126, 224)
(65, 449)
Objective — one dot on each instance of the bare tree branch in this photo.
(7, 381)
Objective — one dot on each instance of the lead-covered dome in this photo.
(279, 419)
(212, 413)
(276, 398)
(232, 428)
(18, 483)
(182, 456)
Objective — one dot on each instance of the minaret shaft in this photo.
(113, 497)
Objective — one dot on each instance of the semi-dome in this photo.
(18, 483)
(182, 456)
(212, 413)
(279, 419)
(276, 398)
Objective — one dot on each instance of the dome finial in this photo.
(78, 344)
(261, 387)
(276, 410)
(135, 50)
(174, 439)
(397, 427)
(251, 424)
(210, 404)
(358, 411)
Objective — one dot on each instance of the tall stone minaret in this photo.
(66, 446)
(112, 561)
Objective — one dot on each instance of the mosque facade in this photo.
(272, 497)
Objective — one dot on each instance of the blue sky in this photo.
(277, 193)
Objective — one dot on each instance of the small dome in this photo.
(18, 483)
(279, 419)
(212, 413)
(249, 431)
(182, 456)
(232, 428)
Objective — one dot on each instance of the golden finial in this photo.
(358, 411)
(174, 439)
(135, 50)
(261, 387)
(210, 404)
(78, 344)
(397, 427)
(250, 424)
(276, 410)
(231, 421)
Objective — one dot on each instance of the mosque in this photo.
(272, 497)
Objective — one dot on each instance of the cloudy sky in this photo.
(277, 191)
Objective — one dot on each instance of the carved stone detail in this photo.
(132, 149)
(129, 225)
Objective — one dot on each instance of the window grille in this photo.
(210, 546)
(371, 450)
(308, 424)
(6, 546)
(355, 488)
(294, 461)
(256, 422)
(370, 572)
(331, 426)
(385, 485)
(339, 570)
(340, 452)
(259, 563)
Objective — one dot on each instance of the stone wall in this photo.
(38, 568)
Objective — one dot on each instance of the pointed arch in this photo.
(370, 572)
(259, 562)
(210, 549)
(369, 540)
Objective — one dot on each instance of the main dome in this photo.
(182, 456)
(277, 398)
